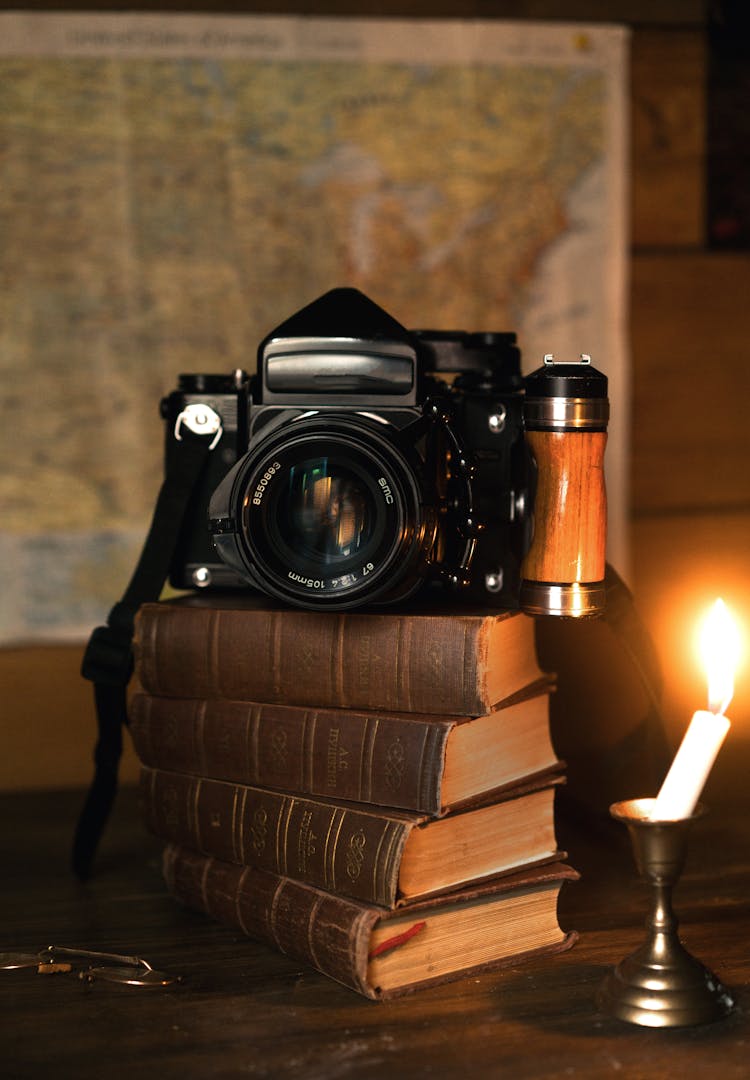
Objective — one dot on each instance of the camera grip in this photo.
(563, 571)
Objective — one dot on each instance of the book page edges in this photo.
(510, 658)
(566, 942)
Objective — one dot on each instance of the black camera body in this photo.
(221, 401)
(361, 462)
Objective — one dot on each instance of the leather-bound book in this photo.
(242, 647)
(416, 761)
(379, 953)
(383, 856)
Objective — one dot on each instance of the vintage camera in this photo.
(364, 461)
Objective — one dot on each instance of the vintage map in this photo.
(173, 187)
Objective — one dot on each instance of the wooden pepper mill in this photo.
(565, 419)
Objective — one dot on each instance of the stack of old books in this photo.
(371, 793)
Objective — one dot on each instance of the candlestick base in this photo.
(661, 984)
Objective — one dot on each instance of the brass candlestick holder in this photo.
(661, 984)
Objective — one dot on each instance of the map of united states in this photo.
(160, 215)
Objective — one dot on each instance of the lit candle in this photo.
(702, 741)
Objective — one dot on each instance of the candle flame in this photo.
(720, 652)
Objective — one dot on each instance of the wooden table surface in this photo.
(243, 1010)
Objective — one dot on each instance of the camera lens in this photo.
(331, 516)
(326, 514)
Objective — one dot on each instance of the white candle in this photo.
(708, 728)
(692, 763)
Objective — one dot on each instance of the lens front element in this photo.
(330, 520)
(325, 513)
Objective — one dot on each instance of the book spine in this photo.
(357, 757)
(331, 846)
(328, 932)
(319, 659)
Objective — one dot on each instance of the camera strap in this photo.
(606, 714)
(108, 659)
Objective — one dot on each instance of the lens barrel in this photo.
(330, 514)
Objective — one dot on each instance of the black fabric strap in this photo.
(633, 636)
(624, 618)
(605, 716)
(108, 660)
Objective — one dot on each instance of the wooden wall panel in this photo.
(681, 564)
(49, 724)
(691, 382)
(668, 138)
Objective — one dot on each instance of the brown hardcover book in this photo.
(415, 761)
(379, 855)
(244, 648)
(377, 952)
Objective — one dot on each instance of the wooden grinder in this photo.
(565, 419)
